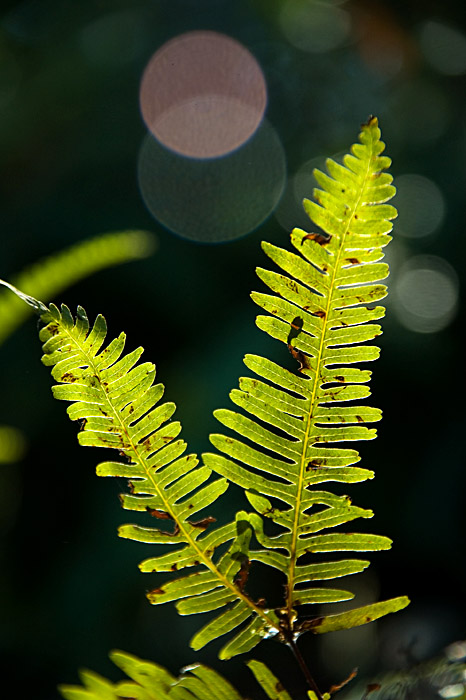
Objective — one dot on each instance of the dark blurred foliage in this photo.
(70, 133)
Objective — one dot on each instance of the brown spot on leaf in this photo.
(359, 419)
(157, 591)
(319, 238)
(300, 357)
(319, 314)
(279, 687)
(353, 261)
(339, 378)
(296, 327)
(160, 514)
(312, 623)
(204, 523)
(314, 464)
(242, 575)
(297, 323)
(68, 377)
(174, 567)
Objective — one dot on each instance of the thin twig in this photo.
(302, 664)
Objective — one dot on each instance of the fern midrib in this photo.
(160, 492)
(300, 484)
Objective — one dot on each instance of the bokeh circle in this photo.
(213, 200)
(203, 94)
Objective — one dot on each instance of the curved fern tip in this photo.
(371, 121)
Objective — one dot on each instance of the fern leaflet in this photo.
(322, 309)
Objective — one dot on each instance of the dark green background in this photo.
(70, 132)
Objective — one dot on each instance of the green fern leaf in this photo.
(268, 681)
(117, 403)
(322, 309)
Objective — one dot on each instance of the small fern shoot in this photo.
(322, 309)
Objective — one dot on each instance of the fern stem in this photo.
(304, 668)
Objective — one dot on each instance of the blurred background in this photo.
(84, 90)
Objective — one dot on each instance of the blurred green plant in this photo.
(50, 276)
(12, 444)
(322, 309)
(441, 677)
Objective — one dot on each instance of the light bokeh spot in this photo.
(455, 690)
(203, 94)
(426, 294)
(456, 651)
(420, 204)
(444, 47)
(311, 25)
(213, 200)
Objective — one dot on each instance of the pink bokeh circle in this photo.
(203, 94)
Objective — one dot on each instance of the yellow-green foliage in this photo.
(322, 307)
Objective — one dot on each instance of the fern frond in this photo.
(117, 403)
(322, 309)
(150, 681)
(48, 277)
